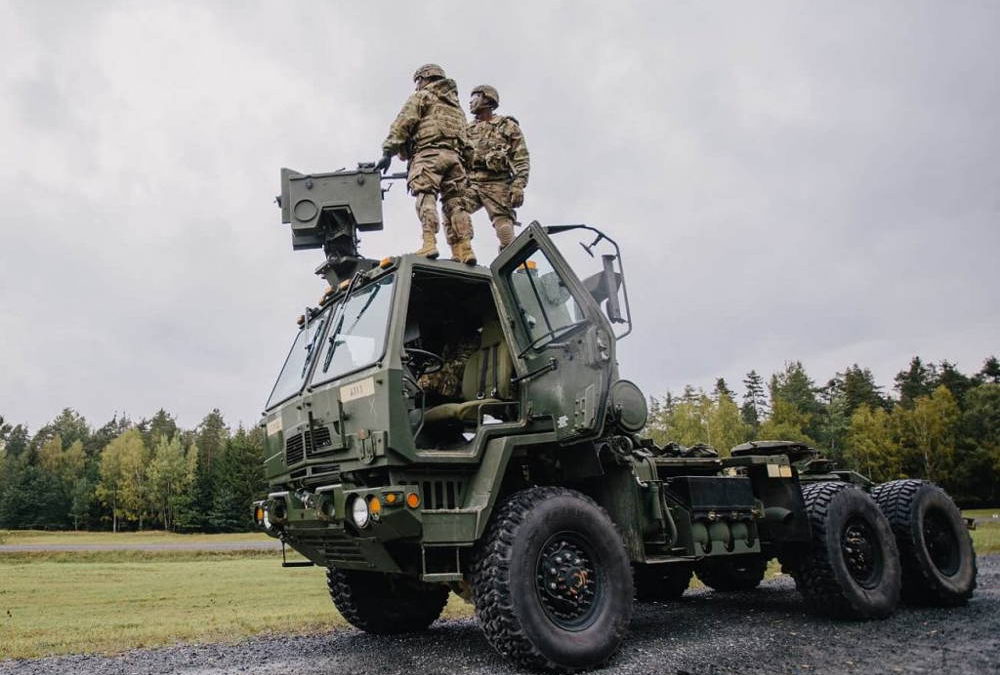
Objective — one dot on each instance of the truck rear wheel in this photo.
(935, 549)
(551, 581)
(385, 603)
(665, 581)
(732, 573)
(851, 568)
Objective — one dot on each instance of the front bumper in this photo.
(319, 524)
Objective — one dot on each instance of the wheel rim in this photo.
(941, 543)
(566, 580)
(862, 552)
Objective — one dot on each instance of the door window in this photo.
(547, 309)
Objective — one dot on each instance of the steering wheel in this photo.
(422, 361)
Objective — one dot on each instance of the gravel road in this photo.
(765, 631)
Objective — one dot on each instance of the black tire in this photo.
(665, 581)
(851, 568)
(385, 603)
(935, 548)
(732, 573)
(544, 536)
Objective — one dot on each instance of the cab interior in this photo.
(458, 367)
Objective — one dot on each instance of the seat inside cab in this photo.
(456, 319)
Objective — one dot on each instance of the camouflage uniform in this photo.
(499, 163)
(430, 132)
(448, 380)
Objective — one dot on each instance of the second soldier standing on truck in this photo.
(430, 132)
(498, 172)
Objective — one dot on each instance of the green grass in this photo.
(102, 604)
(982, 513)
(986, 538)
(41, 538)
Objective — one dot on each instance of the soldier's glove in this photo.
(516, 196)
(383, 164)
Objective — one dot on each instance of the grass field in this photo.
(982, 513)
(105, 602)
(41, 538)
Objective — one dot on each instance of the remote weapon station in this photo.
(529, 488)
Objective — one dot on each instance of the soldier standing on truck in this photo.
(430, 132)
(499, 169)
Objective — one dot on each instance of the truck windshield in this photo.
(357, 332)
(302, 355)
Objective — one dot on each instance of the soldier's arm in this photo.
(519, 161)
(402, 128)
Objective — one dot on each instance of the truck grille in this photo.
(335, 546)
(442, 494)
(294, 449)
(306, 443)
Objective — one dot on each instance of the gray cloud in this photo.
(787, 181)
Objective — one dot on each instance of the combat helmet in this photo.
(489, 93)
(429, 71)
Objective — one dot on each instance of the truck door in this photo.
(561, 342)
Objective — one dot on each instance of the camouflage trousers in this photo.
(494, 196)
(438, 172)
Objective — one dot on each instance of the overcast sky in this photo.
(800, 180)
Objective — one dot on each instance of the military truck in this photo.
(534, 493)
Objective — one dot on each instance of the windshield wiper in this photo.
(333, 342)
(310, 348)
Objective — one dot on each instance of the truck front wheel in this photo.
(385, 603)
(551, 581)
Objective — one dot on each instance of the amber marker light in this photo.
(385, 262)
(391, 498)
(375, 507)
(301, 320)
(258, 515)
(413, 500)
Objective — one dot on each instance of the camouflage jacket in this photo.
(498, 147)
(430, 118)
(448, 380)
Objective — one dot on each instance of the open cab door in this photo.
(562, 344)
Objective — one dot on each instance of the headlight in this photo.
(359, 512)
(266, 519)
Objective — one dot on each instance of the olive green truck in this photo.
(530, 489)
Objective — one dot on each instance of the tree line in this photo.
(127, 475)
(938, 423)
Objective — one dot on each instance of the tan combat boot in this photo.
(429, 249)
(465, 252)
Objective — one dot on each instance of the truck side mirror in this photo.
(612, 280)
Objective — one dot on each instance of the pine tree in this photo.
(949, 376)
(990, 372)
(914, 382)
(754, 407)
(240, 481)
(721, 389)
